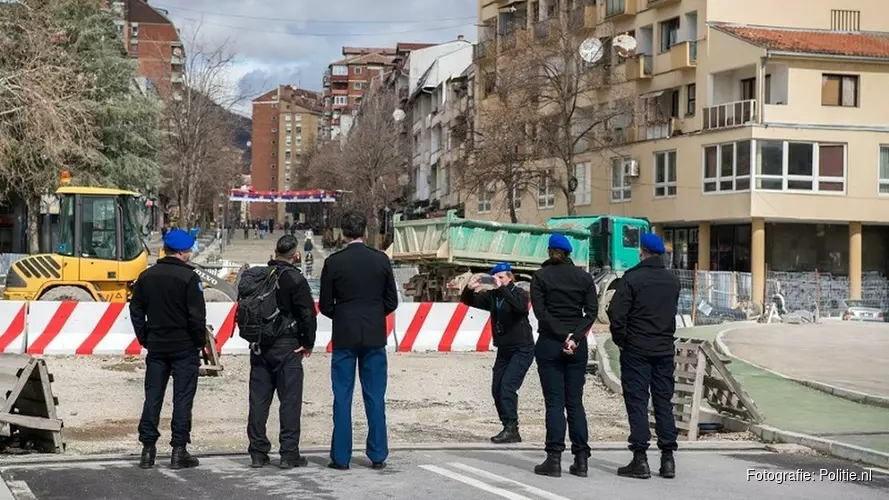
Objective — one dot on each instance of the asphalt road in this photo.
(447, 475)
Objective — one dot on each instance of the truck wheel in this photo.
(66, 293)
(214, 295)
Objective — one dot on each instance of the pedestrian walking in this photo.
(170, 320)
(246, 231)
(643, 325)
(276, 314)
(565, 303)
(511, 332)
(357, 293)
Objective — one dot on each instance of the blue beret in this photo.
(501, 267)
(653, 243)
(559, 241)
(178, 241)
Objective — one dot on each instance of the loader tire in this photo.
(67, 293)
(214, 295)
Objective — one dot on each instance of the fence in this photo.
(805, 290)
(713, 297)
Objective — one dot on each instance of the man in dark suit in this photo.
(357, 293)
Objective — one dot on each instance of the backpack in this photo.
(308, 246)
(259, 319)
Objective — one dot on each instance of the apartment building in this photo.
(286, 123)
(437, 106)
(764, 143)
(153, 41)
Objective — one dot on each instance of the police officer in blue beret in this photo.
(565, 304)
(512, 336)
(643, 325)
(170, 320)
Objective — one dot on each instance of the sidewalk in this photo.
(790, 406)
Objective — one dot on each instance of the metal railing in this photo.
(692, 51)
(647, 65)
(730, 114)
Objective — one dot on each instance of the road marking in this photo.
(475, 482)
(494, 477)
(20, 490)
(877, 469)
(171, 474)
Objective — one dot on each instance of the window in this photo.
(356, 70)
(620, 181)
(340, 70)
(748, 89)
(691, 92)
(768, 89)
(274, 141)
(99, 238)
(357, 85)
(485, 197)
(546, 192)
(884, 170)
(674, 103)
(630, 236)
(727, 167)
(839, 90)
(134, 30)
(273, 166)
(800, 166)
(274, 154)
(340, 100)
(288, 117)
(665, 174)
(669, 34)
(131, 209)
(287, 154)
(274, 129)
(583, 192)
(518, 192)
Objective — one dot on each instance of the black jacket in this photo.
(564, 300)
(167, 308)
(643, 309)
(357, 293)
(295, 301)
(509, 321)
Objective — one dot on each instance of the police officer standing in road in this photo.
(565, 303)
(643, 323)
(170, 320)
(508, 305)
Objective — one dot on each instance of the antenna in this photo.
(624, 45)
(591, 50)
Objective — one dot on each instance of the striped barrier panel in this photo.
(13, 324)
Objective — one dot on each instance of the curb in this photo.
(840, 392)
(604, 362)
(699, 446)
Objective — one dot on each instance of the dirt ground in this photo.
(432, 398)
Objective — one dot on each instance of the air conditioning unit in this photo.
(631, 168)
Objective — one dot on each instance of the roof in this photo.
(409, 46)
(779, 40)
(138, 11)
(352, 51)
(95, 191)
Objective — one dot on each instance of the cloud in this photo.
(293, 41)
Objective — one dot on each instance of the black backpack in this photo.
(259, 319)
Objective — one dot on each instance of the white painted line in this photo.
(877, 469)
(475, 482)
(171, 474)
(20, 490)
(494, 477)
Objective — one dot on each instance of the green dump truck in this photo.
(449, 250)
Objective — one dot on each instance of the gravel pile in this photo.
(432, 398)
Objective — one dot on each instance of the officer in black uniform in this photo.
(170, 320)
(643, 324)
(508, 305)
(564, 300)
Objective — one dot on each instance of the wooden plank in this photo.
(681, 387)
(733, 384)
(696, 397)
(716, 384)
(43, 424)
(43, 373)
(691, 359)
(684, 374)
(12, 393)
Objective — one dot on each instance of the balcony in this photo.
(176, 78)
(639, 67)
(730, 114)
(654, 4)
(658, 130)
(583, 17)
(177, 60)
(684, 55)
(482, 49)
(616, 10)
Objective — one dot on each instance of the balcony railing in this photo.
(647, 65)
(508, 40)
(730, 114)
(660, 130)
(693, 51)
(662, 3)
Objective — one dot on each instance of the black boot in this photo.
(637, 468)
(580, 466)
(668, 465)
(552, 466)
(509, 434)
(182, 459)
(259, 460)
(149, 451)
(291, 462)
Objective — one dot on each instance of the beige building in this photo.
(771, 150)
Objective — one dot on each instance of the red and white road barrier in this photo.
(101, 328)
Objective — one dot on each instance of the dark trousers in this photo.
(372, 366)
(183, 366)
(638, 374)
(562, 378)
(276, 369)
(510, 368)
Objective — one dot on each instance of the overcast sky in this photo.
(293, 41)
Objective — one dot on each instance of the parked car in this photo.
(856, 310)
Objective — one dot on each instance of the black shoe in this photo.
(637, 468)
(668, 465)
(580, 466)
(289, 463)
(259, 460)
(509, 434)
(149, 451)
(182, 459)
(552, 466)
(378, 465)
(336, 466)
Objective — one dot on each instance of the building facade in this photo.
(768, 148)
(286, 124)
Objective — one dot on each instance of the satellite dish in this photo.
(398, 115)
(624, 45)
(591, 50)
